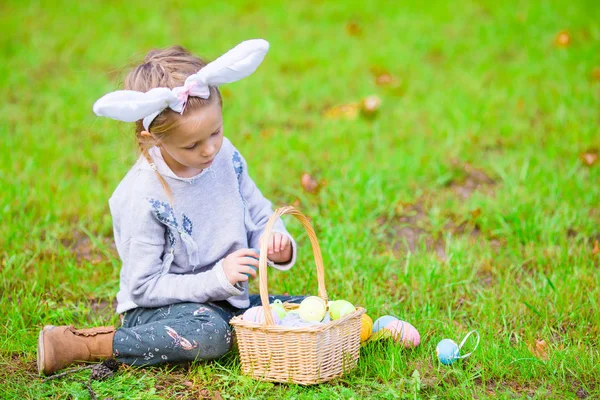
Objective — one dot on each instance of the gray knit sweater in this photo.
(174, 254)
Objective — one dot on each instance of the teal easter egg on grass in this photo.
(382, 322)
(447, 351)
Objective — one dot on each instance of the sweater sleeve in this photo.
(149, 285)
(261, 210)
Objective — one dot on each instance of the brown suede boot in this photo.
(59, 346)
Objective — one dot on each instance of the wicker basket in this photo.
(305, 355)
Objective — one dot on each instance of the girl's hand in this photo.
(280, 248)
(238, 263)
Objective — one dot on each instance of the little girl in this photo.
(187, 218)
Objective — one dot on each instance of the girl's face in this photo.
(195, 142)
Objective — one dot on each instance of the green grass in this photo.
(483, 99)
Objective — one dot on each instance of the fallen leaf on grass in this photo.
(217, 396)
(370, 105)
(596, 74)
(596, 249)
(383, 77)
(589, 158)
(353, 29)
(476, 213)
(188, 384)
(367, 106)
(309, 183)
(541, 349)
(562, 39)
(204, 394)
(347, 111)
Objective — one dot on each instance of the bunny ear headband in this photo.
(130, 105)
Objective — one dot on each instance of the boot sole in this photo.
(40, 350)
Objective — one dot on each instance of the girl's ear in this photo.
(146, 134)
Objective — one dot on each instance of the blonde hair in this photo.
(166, 68)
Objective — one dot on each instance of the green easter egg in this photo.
(339, 308)
(312, 309)
(278, 307)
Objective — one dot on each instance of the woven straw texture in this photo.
(305, 355)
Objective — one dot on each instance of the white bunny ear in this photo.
(232, 66)
(130, 105)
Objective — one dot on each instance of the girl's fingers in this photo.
(246, 253)
(277, 244)
(272, 245)
(248, 261)
(284, 241)
(245, 271)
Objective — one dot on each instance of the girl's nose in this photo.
(208, 151)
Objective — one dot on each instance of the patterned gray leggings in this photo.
(179, 332)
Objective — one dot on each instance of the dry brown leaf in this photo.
(204, 394)
(541, 349)
(384, 78)
(347, 111)
(596, 249)
(353, 29)
(589, 158)
(562, 39)
(188, 383)
(596, 74)
(476, 213)
(370, 105)
(217, 396)
(266, 133)
(309, 183)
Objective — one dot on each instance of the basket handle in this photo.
(262, 264)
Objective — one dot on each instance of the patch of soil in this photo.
(18, 364)
(410, 231)
(102, 309)
(474, 179)
(85, 249)
(409, 234)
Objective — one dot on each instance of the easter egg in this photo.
(447, 351)
(257, 314)
(278, 307)
(339, 308)
(251, 266)
(382, 322)
(404, 332)
(366, 327)
(312, 309)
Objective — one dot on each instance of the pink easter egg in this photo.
(404, 332)
(257, 314)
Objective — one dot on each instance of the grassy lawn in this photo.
(470, 200)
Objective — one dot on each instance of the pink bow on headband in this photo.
(185, 93)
